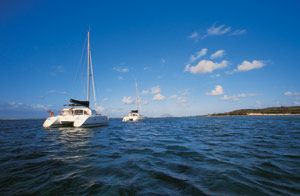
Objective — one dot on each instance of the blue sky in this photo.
(189, 57)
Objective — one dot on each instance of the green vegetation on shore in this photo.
(264, 111)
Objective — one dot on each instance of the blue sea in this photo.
(157, 156)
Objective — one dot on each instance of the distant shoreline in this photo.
(272, 111)
(254, 115)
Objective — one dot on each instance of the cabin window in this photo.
(78, 112)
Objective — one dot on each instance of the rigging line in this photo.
(83, 72)
(79, 77)
(138, 100)
(80, 60)
(93, 80)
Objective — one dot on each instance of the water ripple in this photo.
(169, 156)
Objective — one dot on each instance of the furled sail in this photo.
(75, 102)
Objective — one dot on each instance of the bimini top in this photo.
(134, 111)
(74, 102)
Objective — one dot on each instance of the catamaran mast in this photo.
(88, 67)
(90, 73)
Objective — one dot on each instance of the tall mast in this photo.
(88, 67)
(138, 107)
(90, 73)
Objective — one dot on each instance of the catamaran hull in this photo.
(51, 122)
(131, 118)
(79, 121)
(91, 121)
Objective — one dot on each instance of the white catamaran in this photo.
(134, 114)
(78, 113)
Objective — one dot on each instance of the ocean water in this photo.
(160, 156)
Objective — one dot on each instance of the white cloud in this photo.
(218, 30)
(218, 54)
(289, 93)
(239, 32)
(247, 66)
(53, 92)
(127, 100)
(194, 36)
(215, 75)
(205, 66)
(158, 97)
(199, 54)
(217, 91)
(39, 107)
(155, 90)
(23, 106)
(237, 96)
(181, 98)
(202, 52)
(152, 90)
(121, 69)
(163, 60)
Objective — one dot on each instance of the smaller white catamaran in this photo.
(78, 113)
(134, 114)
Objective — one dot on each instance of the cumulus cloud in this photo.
(155, 90)
(127, 100)
(218, 54)
(199, 54)
(205, 66)
(247, 66)
(158, 97)
(217, 91)
(289, 93)
(121, 69)
(237, 97)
